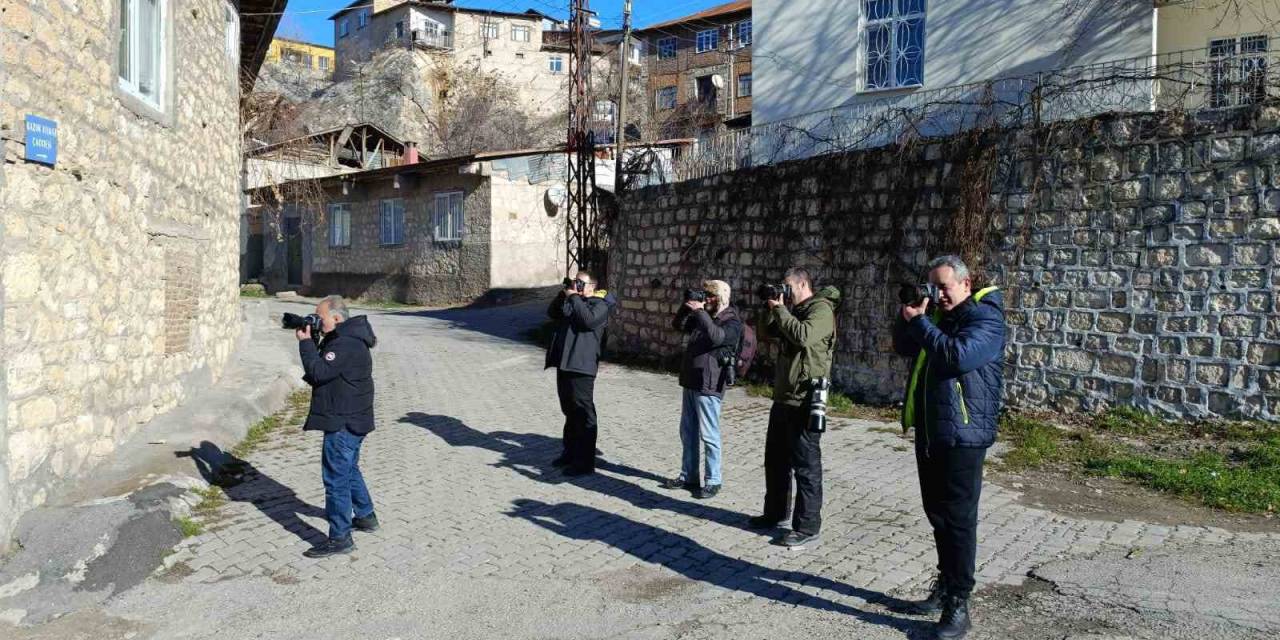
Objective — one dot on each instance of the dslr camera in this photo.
(772, 291)
(575, 284)
(295, 321)
(913, 294)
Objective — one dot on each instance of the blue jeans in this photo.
(345, 493)
(700, 424)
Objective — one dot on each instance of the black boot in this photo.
(954, 623)
(930, 606)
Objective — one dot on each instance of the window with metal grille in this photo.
(666, 98)
(708, 40)
(1238, 70)
(447, 219)
(391, 221)
(894, 32)
(666, 48)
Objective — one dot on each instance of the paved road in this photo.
(482, 538)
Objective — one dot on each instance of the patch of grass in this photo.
(211, 499)
(758, 389)
(383, 304)
(1126, 420)
(253, 293)
(190, 527)
(1032, 443)
(296, 404)
(1250, 484)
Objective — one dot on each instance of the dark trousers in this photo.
(950, 484)
(790, 448)
(577, 402)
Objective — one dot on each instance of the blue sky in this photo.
(309, 19)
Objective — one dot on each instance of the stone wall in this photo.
(119, 264)
(420, 270)
(1137, 254)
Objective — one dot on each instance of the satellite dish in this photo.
(717, 81)
(553, 200)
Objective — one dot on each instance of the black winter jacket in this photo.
(580, 331)
(340, 372)
(956, 383)
(708, 339)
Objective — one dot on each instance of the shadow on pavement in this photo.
(242, 482)
(696, 562)
(513, 322)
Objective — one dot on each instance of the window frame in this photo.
(232, 35)
(667, 47)
(158, 105)
(491, 30)
(344, 28)
(397, 222)
(362, 19)
(1230, 75)
(521, 28)
(335, 209)
(739, 92)
(711, 34)
(738, 31)
(456, 220)
(555, 64)
(892, 22)
(659, 94)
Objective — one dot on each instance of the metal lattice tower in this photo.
(582, 237)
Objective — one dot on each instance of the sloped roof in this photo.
(258, 22)
(716, 11)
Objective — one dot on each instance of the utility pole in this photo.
(583, 246)
(729, 84)
(624, 58)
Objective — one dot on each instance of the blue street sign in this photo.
(42, 140)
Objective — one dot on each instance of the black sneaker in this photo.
(331, 547)
(765, 522)
(796, 540)
(707, 492)
(954, 623)
(679, 483)
(366, 524)
(930, 606)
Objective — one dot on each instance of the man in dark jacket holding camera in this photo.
(581, 314)
(803, 322)
(953, 401)
(340, 372)
(710, 354)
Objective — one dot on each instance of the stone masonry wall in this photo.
(1137, 255)
(118, 293)
(419, 271)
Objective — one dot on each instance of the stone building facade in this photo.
(1137, 254)
(119, 286)
(435, 233)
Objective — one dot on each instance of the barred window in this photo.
(894, 34)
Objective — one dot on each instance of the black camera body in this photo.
(772, 291)
(913, 294)
(575, 284)
(295, 321)
(695, 295)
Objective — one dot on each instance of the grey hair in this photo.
(957, 265)
(337, 305)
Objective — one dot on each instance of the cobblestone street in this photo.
(481, 537)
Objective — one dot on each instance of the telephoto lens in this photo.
(819, 388)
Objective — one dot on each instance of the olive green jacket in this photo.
(808, 341)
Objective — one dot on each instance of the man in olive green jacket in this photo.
(806, 334)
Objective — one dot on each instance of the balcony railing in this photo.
(431, 39)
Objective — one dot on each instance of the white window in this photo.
(344, 28)
(1238, 71)
(142, 60)
(605, 111)
(339, 225)
(894, 34)
(556, 64)
(666, 98)
(666, 48)
(744, 85)
(637, 52)
(708, 40)
(490, 31)
(744, 33)
(447, 216)
(363, 17)
(391, 221)
(520, 33)
(324, 63)
(232, 33)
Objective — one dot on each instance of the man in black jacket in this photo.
(340, 372)
(713, 330)
(581, 314)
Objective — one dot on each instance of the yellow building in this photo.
(306, 54)
(1189, 25)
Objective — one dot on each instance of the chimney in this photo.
(410, 152)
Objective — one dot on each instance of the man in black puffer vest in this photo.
(340, 372)
(953, 401)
